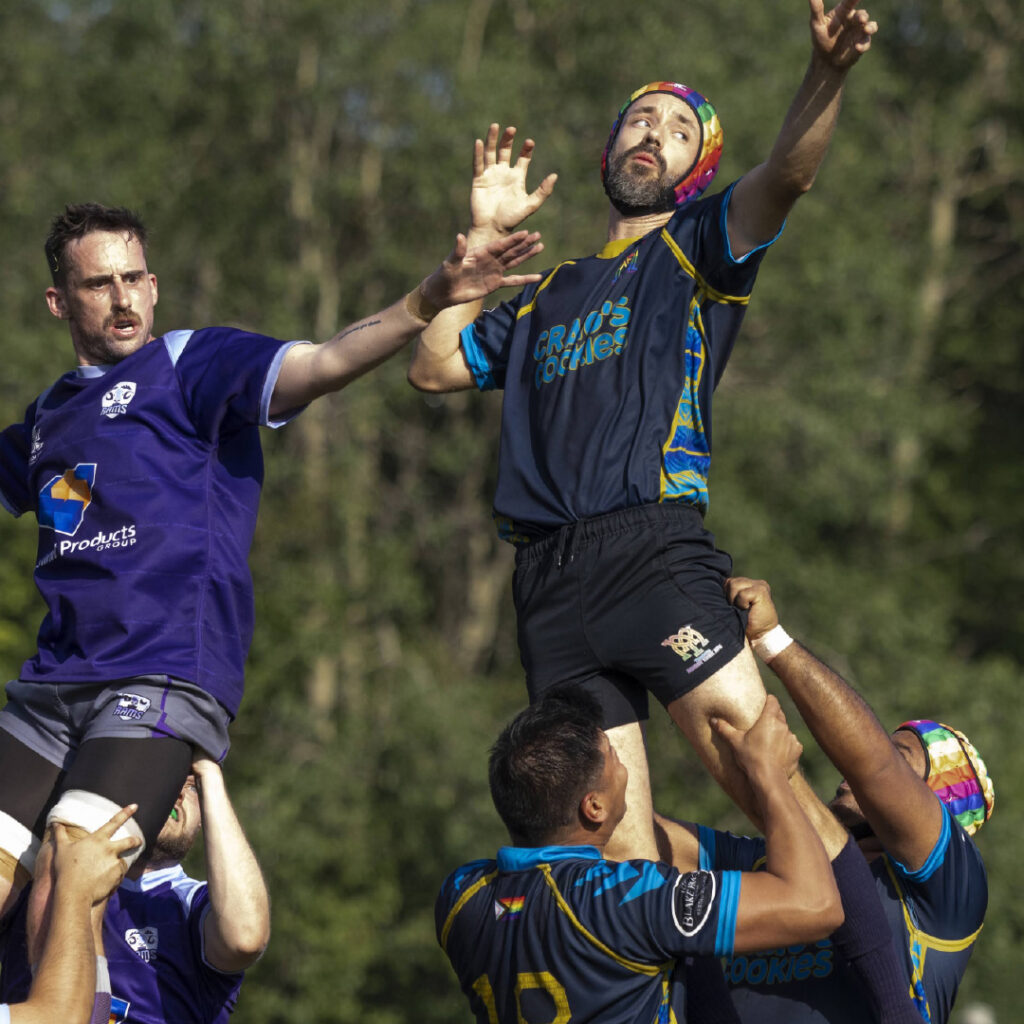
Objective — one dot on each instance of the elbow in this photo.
(825, 915)
(421, 381)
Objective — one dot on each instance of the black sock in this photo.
(865, 941)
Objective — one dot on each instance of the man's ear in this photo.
(593, 809)
(55, 301)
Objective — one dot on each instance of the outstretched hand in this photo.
(755, 596)
(767, 746)
(498, 200)
(841, 36)
(470, 274)
(93, 865)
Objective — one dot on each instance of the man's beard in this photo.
(172, 848)
(634, 195)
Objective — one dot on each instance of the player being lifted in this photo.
(143, 468)
(608, 367)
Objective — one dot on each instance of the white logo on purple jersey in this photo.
(143, 941)
(131, 707)
(115, 401)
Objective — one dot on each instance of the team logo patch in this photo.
(131, 706)
(115, 401)
(37, 446)
(628, 265)
(509, 906)
(119, 1010)
(691, 645)
(692, 901)
(143, 941)
(64, 499)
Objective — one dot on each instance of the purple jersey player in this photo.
(176, 947)
(143, 469)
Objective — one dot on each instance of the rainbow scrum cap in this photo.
(699, 176)
(956, 774)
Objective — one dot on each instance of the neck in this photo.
(620, 226)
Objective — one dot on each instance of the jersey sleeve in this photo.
(227, 377)
(950, 890)
(651, 913)
(15, 449)
(486, 342)
(700, 230)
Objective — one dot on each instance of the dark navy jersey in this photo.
(608, 366)
(153, 939)
(145, 479)
(558, 933)
(935, 914)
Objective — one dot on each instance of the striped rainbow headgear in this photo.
(704, 168)
(955, 773)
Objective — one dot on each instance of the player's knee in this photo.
(82, 812)
(18, 849)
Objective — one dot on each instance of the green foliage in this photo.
(301, 165)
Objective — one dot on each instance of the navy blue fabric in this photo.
(560, 933)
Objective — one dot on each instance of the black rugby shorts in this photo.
(626, 604)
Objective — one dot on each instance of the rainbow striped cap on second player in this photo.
(704, 168)
(956, 774)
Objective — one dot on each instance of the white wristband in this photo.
(775, 641)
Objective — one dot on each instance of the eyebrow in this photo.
(679, 115)
(105, 278)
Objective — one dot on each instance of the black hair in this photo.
(543, 764)
(80, 219)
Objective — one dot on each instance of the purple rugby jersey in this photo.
(145, 479)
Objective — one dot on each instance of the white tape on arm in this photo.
(774, 642)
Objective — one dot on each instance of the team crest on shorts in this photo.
(115, 401)
(143, 941)
(691, 645)
(131, 706)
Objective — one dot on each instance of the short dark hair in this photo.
(543, 764)
(81, 219)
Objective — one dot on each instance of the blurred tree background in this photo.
(301, 165)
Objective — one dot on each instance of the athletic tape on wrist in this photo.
(774, 642)
(417, 305)
(79, 808)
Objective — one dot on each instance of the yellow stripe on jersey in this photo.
(528, 308)
(479, 884)
(650, 969)
(713, 294)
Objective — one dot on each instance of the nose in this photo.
(119, 294)
(653, 135)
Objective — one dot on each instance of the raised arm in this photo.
(763, 197)
(795, 898)
(236, 929)
(900, 808)
(498, 203)
(309, 371)
(86, 872)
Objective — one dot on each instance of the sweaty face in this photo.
(108, 297)
(657, 143)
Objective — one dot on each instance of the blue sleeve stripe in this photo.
(935, 858)
(725, 937)
(706, 839)
(476, 359)
(725, 231)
